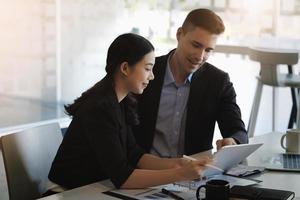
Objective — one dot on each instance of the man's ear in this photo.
(124, 68)
(179, 33)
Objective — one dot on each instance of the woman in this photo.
(99, 144)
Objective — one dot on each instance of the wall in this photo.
(27, 50)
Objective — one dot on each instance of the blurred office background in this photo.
(53, 50)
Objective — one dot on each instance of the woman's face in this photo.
(141, 73)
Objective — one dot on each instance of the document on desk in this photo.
(184, 189)
(193, 185)
(154, 193)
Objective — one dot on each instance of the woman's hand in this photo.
(193, 169)
(180, 162)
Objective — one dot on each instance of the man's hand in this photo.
(224, 142)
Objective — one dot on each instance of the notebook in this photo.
(249, 192)
(283, 162)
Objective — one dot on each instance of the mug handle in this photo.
(281, 141)
(198, 191)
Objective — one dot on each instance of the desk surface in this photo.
(270, 179)
(273, 179)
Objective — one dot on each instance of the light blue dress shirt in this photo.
(170, 125)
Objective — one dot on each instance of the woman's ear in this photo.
(124, 68)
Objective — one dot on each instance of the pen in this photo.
(207, 165)
(171, 194)
(118, 195)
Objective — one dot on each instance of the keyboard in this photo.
(291, 161)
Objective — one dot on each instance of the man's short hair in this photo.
(203, 18)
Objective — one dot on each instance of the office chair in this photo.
(28, 156)
(270, 75)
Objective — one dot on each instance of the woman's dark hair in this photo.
(130, 48)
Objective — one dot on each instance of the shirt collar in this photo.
(169, 78)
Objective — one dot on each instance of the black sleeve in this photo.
(229, 118)
(102, 130)
(135, 152)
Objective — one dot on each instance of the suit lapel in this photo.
(199, 85)
(153, 92)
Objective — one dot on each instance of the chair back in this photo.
(269, 59)
(28, 156)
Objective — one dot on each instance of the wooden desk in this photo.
(271, 179)
(91, 192)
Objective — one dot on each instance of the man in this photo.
(180, 107)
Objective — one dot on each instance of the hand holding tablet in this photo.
(229, 156)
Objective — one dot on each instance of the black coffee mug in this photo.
(215, 190)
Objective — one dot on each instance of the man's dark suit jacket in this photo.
(212, 99)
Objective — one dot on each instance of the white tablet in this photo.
(229, 156)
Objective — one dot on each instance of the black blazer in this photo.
(212, 99)
(97, 145)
